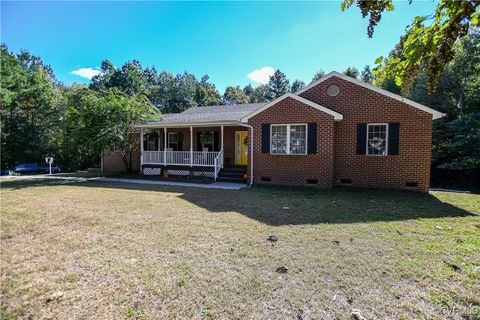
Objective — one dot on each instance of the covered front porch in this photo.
(193, 150)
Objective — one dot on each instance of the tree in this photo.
(366, 75)
(297, 85)
(102, 80)
(30, 112)
(151, 75)
(248, 90)
(183, 93)
(429, 41)
(105, 119)
(456, 136)
(260, 94)
(206, 94)
(278, 85)
(351, 72)
(318, 75)
(131, 78)
(234, 95)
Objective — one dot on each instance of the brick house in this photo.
(335, 131)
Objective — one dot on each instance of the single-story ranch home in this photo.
(337, 131)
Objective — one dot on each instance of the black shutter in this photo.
(199, 143)
(393, 138)
(265, 138)
(361, 138)
(216, 141)
(312, 138)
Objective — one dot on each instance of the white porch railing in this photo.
(218, 164)
(182, 158)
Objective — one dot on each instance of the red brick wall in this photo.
(113, 161)
(361, 105)
(294, 169)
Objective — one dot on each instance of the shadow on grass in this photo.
(289, 205)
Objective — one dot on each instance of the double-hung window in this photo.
(377, 142)
(288, 139)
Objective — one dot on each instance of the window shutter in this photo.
(265, 138)
(393, 138)
(216, 141)
(312, 138)
(361, 138)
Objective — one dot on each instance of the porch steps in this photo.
(232, 174)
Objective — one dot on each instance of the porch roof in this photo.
(211, 115)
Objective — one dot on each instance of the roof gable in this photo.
(435, 114)
(336, 115)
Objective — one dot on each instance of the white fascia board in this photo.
(336, 116)
(435, 114)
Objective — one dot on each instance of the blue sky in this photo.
(226, 40)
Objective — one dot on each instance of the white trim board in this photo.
(336, 116)
(435, 114)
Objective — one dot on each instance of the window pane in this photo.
(377, 140)
(298, 139)
(279, 139)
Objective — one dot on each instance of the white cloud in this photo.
(88, 73)
(261, 75)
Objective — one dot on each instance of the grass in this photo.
(124, 251)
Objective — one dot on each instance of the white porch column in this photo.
(191, 146)
(165, 146)
(141, 148)
(221, 137)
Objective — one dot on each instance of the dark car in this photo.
(25, 168)
(29, 168)
(46, 170)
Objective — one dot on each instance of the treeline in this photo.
(41, 116)
(175, 93)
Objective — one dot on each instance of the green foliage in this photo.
(429, 43)
(206, 94)
(372, 9)
(366, 75)
(278, 85)
(100, 120)
(456, 136)
(318, 75)
(297, 85)
(259, 94)
(30, 108)
(351, 72)
(234, 95)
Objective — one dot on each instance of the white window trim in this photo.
(288, 139)
(386, 140)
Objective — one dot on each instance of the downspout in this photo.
(251, 153)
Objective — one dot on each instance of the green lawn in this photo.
(102, 250)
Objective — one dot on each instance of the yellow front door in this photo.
(241, 138)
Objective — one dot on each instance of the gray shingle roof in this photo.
(226, 113)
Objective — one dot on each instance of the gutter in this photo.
(251, 154)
